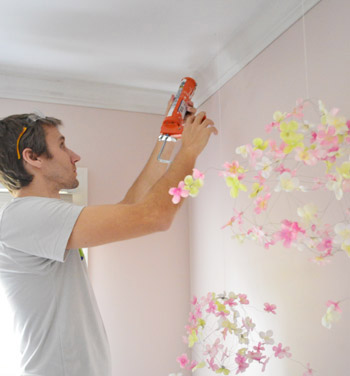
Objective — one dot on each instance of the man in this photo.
(42, 273)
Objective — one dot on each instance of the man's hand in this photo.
(196, 133)
(190, 110)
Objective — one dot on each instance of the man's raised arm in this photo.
(103, 224)
(153, 169)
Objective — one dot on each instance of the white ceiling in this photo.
(131, 54)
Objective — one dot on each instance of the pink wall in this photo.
(142, 285)
(241, 109)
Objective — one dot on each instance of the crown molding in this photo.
(81, 93)
(211, 77)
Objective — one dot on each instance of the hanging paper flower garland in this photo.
(287, 169)
(307, 167)
(225, 338)
(306, 159)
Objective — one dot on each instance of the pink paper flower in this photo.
(212, 307)
(260, 347)
(212, 365)
(197, 174)
(309, 371)
(183, 360)
(327, 137)
(261, 203)
(270, 308)
(335, 305)
(213, 350)
(178, 192)
(289, 232)
(264, 364)
(242, 363)
(280, 352)
(254, 154)
(233, 169)
(243, 299)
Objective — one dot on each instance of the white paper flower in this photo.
(267, 337)
(287, 183)
(242, 150)
(343, 236)
(330, 317)
(265, 166)
(308, 213)
(336, 186)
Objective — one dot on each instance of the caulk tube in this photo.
(173, 123)
(172, 126)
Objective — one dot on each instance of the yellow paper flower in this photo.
(344, 170)
(223, 370)
(343, 236)
(242, 351)
(260, 144)
(221, 307)
(289, 135)
(192, 338)
(227, 324)
(199, 365)
(201, 323)
(192, 185)
(278, 116)
(235, 185)
(256, 188)
(330, 118)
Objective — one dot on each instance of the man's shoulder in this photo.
(32, 204)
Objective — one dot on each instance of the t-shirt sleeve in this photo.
(39, 226)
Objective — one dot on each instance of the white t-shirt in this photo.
(56, 315)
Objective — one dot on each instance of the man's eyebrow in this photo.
(62, 138)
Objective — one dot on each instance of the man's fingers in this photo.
(213, 129)
(207, 122)
(191, 110)
(201, 117)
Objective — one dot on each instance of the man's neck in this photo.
(38, 190)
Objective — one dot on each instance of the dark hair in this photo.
(13, 175)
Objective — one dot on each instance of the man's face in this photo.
(59, 171)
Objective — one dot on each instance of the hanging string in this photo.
(220, 127)
(305, 52)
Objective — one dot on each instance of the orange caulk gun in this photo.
(172, 126)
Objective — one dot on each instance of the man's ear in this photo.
(31, 158)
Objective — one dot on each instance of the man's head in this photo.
(22, 137)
